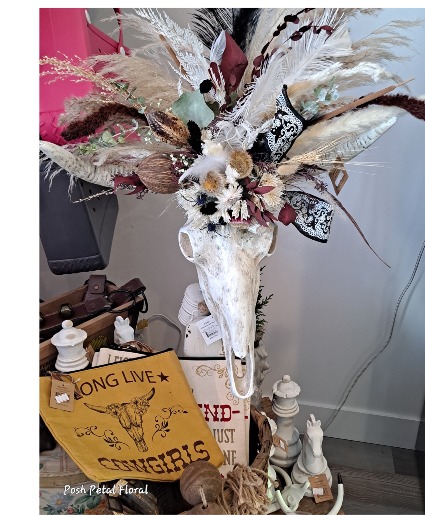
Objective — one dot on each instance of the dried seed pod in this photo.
(168, 127)
(200, 474)
(157, 174)
(287, 168)
(212, 508)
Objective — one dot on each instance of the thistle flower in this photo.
(242, 162)
(213, 182)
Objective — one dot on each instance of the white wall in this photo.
(333, 303)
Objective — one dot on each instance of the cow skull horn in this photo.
(100, 409)
(150, 394)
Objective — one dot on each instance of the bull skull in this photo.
(228, 267)
(130, 416)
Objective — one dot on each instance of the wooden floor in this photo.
(377, 479)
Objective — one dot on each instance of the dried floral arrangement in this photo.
(239, 116)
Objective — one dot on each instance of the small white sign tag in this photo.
(209, 329)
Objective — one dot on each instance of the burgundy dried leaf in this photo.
(137, 189)
(258, 60)
(132, 180)
(251, 206)
(233, 64)
(269, 216)
(296, 36)
(287, 214)
(259, 217)
(251, 185)
(256, 213)
(289, 18)
(263, 189)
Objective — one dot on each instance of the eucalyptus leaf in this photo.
(192, 106)
(106, 136)
(215, 107)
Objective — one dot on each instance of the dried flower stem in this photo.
(358, 102)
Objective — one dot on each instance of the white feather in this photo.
(240, 136)
(259, 105)
(218, 48)
(315, 53)
(185, 44)
(345, 79)
(352, 123)
(268, 20)
(203, 165)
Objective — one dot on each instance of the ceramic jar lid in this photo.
(69, 335)
(286, 388)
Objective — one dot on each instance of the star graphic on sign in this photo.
(163, 377)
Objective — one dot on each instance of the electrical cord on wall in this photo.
(371, 359)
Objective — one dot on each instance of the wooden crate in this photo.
(100, 329)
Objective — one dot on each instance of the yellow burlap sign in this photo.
(136, 419)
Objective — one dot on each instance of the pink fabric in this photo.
(67, 31)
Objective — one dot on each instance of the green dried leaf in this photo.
(192, 106)
(107, 137)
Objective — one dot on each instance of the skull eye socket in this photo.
(186, 245)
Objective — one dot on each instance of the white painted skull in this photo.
(228, 267)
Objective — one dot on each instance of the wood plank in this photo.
(367, 456)
(353, 507)
(380, 488)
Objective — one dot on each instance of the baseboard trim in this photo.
(362, 426)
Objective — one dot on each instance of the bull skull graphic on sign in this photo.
(130, 416)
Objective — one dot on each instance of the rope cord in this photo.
(160, 315)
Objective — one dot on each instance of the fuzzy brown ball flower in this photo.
(212, 182)
(241, 161)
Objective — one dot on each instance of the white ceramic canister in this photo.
(194, 344)
(71, 353)
(193, 304)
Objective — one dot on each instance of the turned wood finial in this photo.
(200, 483)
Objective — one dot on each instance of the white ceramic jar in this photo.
(71, 353)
